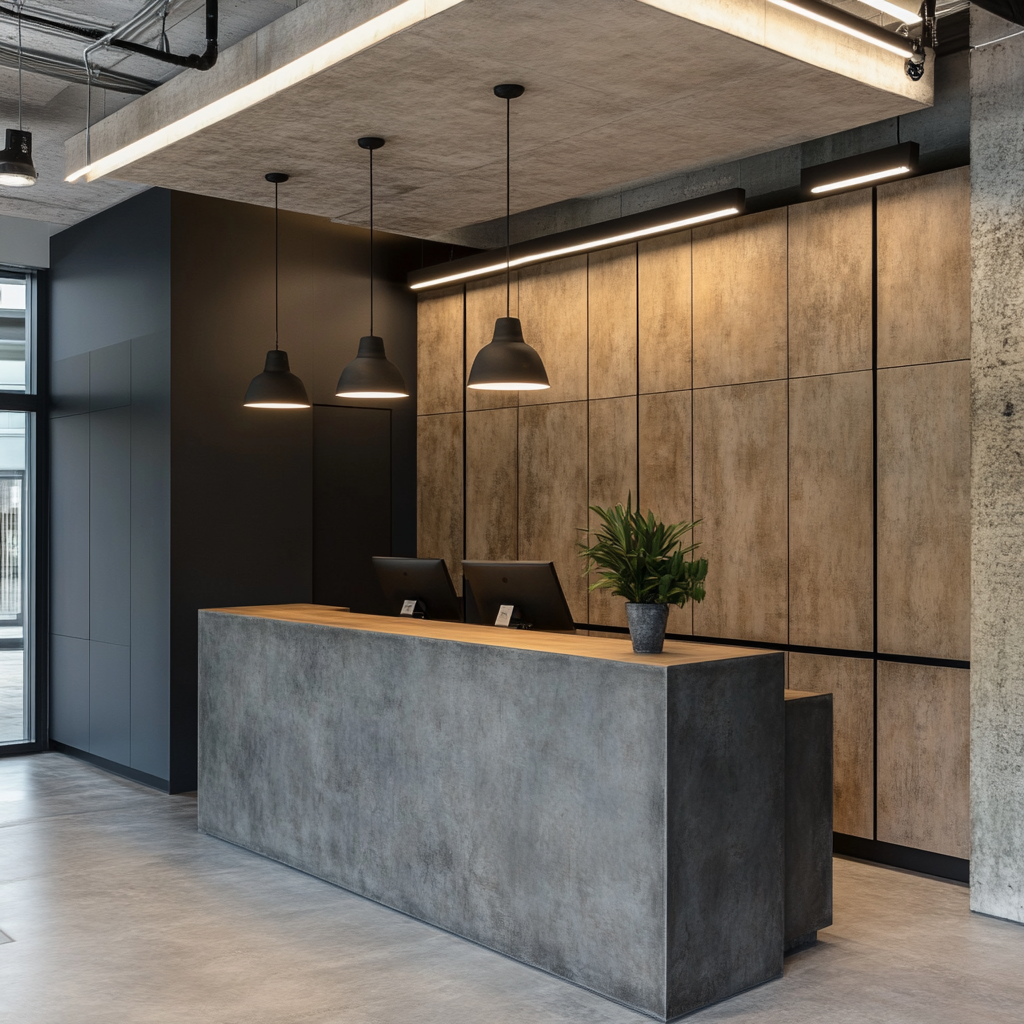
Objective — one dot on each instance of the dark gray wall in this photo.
(168, 495)
(110, 486)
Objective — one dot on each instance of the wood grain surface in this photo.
(831, 511)
(739, 300)
(553, 492)
(612, 331)
(924, 269)
(851, 683)
(439, 352)
(924, 722)
(553, 310)
(830, 244)
(924, 510)
(740, 494)
(491, 483)
(439, 512)
(665, 335)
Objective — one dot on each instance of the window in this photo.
(17, 420)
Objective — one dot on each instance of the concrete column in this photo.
(997, 434)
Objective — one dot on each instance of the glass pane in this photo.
(13, 333)
(15, 666)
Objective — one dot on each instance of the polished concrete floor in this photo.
(120, 911)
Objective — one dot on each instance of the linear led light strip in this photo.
(822, 18)
(360, 38)
(906, 17)
(861, 179)
(597, 243)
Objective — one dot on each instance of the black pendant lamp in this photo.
(507, 363)
(276, 387)
(371, 374)
(16, 167)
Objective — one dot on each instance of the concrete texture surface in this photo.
(619, 825)
(120, 910)
(997, 469)
(617, 91)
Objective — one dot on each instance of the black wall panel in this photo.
(110, 701)
(110, 377)
(69, 691)
(69, 527)
(351, 483)
(109, 529)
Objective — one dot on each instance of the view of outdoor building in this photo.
(15, 703)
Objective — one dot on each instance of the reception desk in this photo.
(612, 818)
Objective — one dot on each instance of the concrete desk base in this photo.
(614, 819)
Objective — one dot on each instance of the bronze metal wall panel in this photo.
(491, 483)
(739, 300)
(665, 482)
(664, 340)
(612, 479)
(924, 720)
(851, 683)
(439, 352)
(612, 322)
(553, 492)
(830, 243)
(830, 511)
(553, 310)
(485, 302)
(924, 558)
(924, 269)
(740, 493)
(439, 504)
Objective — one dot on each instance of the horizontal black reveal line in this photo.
(134, 774)
(836, 652)
(892, 855)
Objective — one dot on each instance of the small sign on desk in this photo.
(505, 613)
(409, 607)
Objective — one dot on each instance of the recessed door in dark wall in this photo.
(351, 485)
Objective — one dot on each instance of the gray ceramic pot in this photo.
(647, 624)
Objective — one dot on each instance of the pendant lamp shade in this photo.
(507, 363)
(16, 167)
(371, 374)
(276, 387)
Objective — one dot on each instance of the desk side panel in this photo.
(726, 805)
(513, 797)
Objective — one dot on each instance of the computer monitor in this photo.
(420, 587)
(531, 588)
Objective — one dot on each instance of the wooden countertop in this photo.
(606, 649)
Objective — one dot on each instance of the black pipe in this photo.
(199, 61)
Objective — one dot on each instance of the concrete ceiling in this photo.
(54, 110)
(617, 91)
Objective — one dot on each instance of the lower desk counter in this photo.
(612, 818)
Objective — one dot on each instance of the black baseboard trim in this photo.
(922, 861)
(133, 774)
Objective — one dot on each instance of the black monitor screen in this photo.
(423, 580)
(532, 588)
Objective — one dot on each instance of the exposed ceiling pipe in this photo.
(198, 61)
(71, 70)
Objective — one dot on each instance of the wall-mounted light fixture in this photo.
(276, 387)
(857, 171)
(895, 11)
(663, 221)
(371, 374)
(507, 362)
(16, 166)
(851, 25)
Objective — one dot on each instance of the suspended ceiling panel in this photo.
(617, 91)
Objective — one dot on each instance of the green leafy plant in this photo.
(641, 559)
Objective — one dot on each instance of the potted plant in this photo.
(644, 561)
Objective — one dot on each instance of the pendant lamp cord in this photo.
(371, 243)
(508, 206)
(22, 4)
(277, 272)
